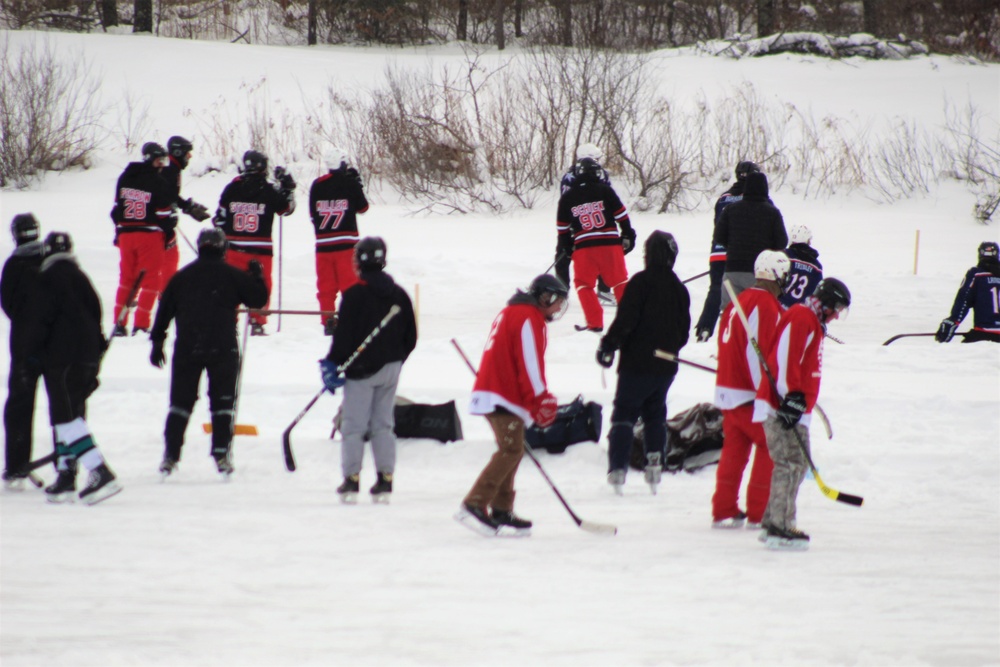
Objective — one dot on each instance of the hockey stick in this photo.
(700, 275)
(186, 240)
(589, 526)
(898, 336)
(829, 492)
(130, 302)
(670, 356)
(286, 437)
(238, 429)
(274, 311)
(281, 248)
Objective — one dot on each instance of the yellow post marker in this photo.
(916, 252)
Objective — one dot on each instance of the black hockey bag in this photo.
(579, 421)
(694, 440)
(419, 420)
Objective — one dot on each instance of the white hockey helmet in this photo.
(589, 151)
(800, 234)
(336, 158)
(772, 265)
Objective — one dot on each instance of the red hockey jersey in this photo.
(796, 360)
(740, 373)
(512, 370)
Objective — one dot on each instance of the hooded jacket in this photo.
(749, 226)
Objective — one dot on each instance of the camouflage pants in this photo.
(790, 468)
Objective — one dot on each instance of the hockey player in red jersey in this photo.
(512, 393)
(795, 360)
(143, 215)
(179, 150)
(335, 200)
(736, 383)
(594, 228)
(246, 214)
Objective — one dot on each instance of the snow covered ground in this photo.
(271, 570)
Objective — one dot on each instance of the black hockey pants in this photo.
(19, 413)
(186, 370)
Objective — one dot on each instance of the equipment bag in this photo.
(419, 420)
(579, 421)
(694, 440)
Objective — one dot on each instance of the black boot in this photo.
(63, 490)
(348, 491)
(101, 485)
(382, 488)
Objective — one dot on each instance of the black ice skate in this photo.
(616, 478)
(101, 485)
(63, 490)
(168, 466)
(511, 525)
(789, 539)
(119, 331)
(654, 470)
(348, 491)
(257, 329)
(477, 520)
(224, 464)
(382, 489)
(731, 522)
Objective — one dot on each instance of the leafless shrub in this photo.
(50, 113)
(132, 120)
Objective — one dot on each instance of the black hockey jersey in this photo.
(144, 201)
(246, 212)
(335, 199)
(591, 214)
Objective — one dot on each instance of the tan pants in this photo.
(495, 486)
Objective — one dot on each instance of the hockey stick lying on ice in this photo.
(898, 336)
(238, 429)
(670, 356)
(829, 492)
(589, 526)
(286, 437)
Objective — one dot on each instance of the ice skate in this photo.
(63, 490)
(790, 539)
(732, 522)
(510, 525)
(348, 491)
(477, 520)
(654, 470)
(616, 478)
(381, 491)
(101, 485)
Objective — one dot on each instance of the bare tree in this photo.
(870, 9)
(765, 17)
(143, 18)
(109, 13)
(462, 30)
(498, 7)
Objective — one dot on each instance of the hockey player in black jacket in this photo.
(806, 270)
(17, 292)
(371, 380)
(654, 313)
(179, 150)
(64, 331)
(203, 298)
(979, 291)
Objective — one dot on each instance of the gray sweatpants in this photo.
(368, 408)
(790, 468)
(740, 280)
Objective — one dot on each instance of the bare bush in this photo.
(132, 120)
(50, 113)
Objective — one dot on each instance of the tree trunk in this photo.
(765, 17)
(498, 8)
(518, 14)
(566, 13)
(143, 21)
(312, 20)
(109, 13)
(462, 31)
(870, 9)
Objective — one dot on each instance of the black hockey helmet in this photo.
(370, 253)
(660, 250)
(152, 151)
(179, 148)
(24, 228)
(546, 289)
(588, 170)
(211, 241)
(746, 167)
(57, 242)
(832, 295)
(254, 162)
(989, 250)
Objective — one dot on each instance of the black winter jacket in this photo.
(203, 298)
(748, 226)
(654, 313)
(18, 287)
(64, 322)
(362, 307)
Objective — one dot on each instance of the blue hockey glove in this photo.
(332, 378)
(791, 409)
(946, 331)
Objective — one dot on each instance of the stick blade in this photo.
(605, 529)
(848, 499)
(286, 443)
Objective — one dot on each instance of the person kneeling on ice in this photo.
(203, 298)
(64, 333)
(511, 392)
(979, 292)
(370, 380)
(785, 405)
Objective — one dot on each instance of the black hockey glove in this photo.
(256, 269)
(605, 355)
(353, 174)
(170, 240)
(628, 240)
(946, 331)
(791, 409)
(157, 357)
(284, 179)
(195, 210)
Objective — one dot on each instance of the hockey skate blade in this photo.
(239, 429)
(474, 524)
(110, 489)
(348, 498)
(381, 498)
(64, 498)
(512, 532)
(782, 544)
(599, 528)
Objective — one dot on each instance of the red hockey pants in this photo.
(241, 260)
(740, 434)
(334, 274)
(139, 251)
(607, 262)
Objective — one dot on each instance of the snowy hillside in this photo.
(271, 570)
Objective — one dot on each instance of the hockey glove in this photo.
(195, 210)
(284, 179)
(157, 357)
(544, 412)
(946, 331)
(256, 269)
(332, 378)
(605, 356)
(628, 240)
(170, 240)
(791, 409)
(353, 174)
